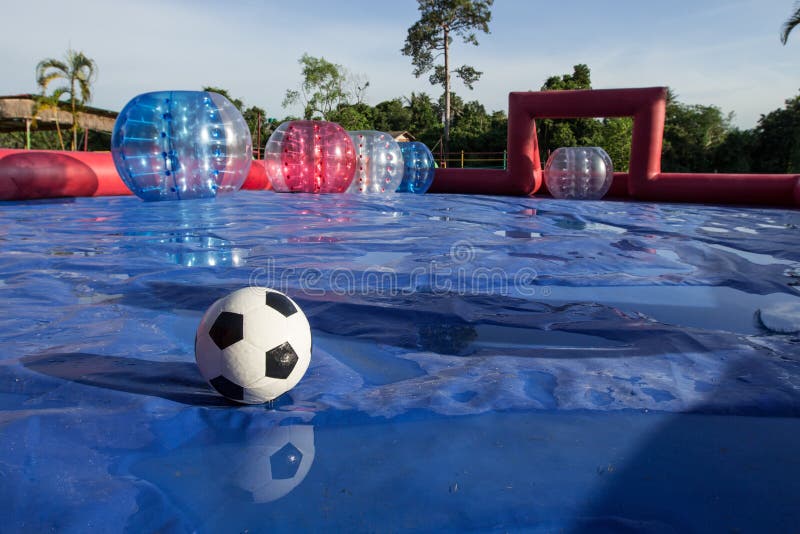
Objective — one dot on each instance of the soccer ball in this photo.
(253, 345)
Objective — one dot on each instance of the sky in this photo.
(710, 52)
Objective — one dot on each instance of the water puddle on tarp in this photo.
(483, 363)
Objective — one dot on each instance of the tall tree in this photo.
(77, 73)
(790, 24)
(456, 108)
(430, 37)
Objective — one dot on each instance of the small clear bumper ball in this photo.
(583, 173)
(379, 163)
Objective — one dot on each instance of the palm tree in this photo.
(790, 23)
(77, 72)
(44, 103)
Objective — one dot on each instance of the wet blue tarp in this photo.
(494, 364)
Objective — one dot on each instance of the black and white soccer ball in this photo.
(253, 345)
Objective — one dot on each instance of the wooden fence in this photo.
(472, 160)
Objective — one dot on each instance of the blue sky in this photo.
(725, 53)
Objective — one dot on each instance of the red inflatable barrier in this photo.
(257, 177)
(29, 174)
(26, 174)
(644, 180)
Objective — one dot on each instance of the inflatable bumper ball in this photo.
(310, 157)
(177, 145)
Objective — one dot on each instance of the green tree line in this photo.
(697, 138)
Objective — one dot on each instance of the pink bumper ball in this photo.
(310, 157)
(379, 163)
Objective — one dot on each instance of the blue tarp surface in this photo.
(479, 363)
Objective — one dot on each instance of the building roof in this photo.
(402, 135)
(15, 110)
